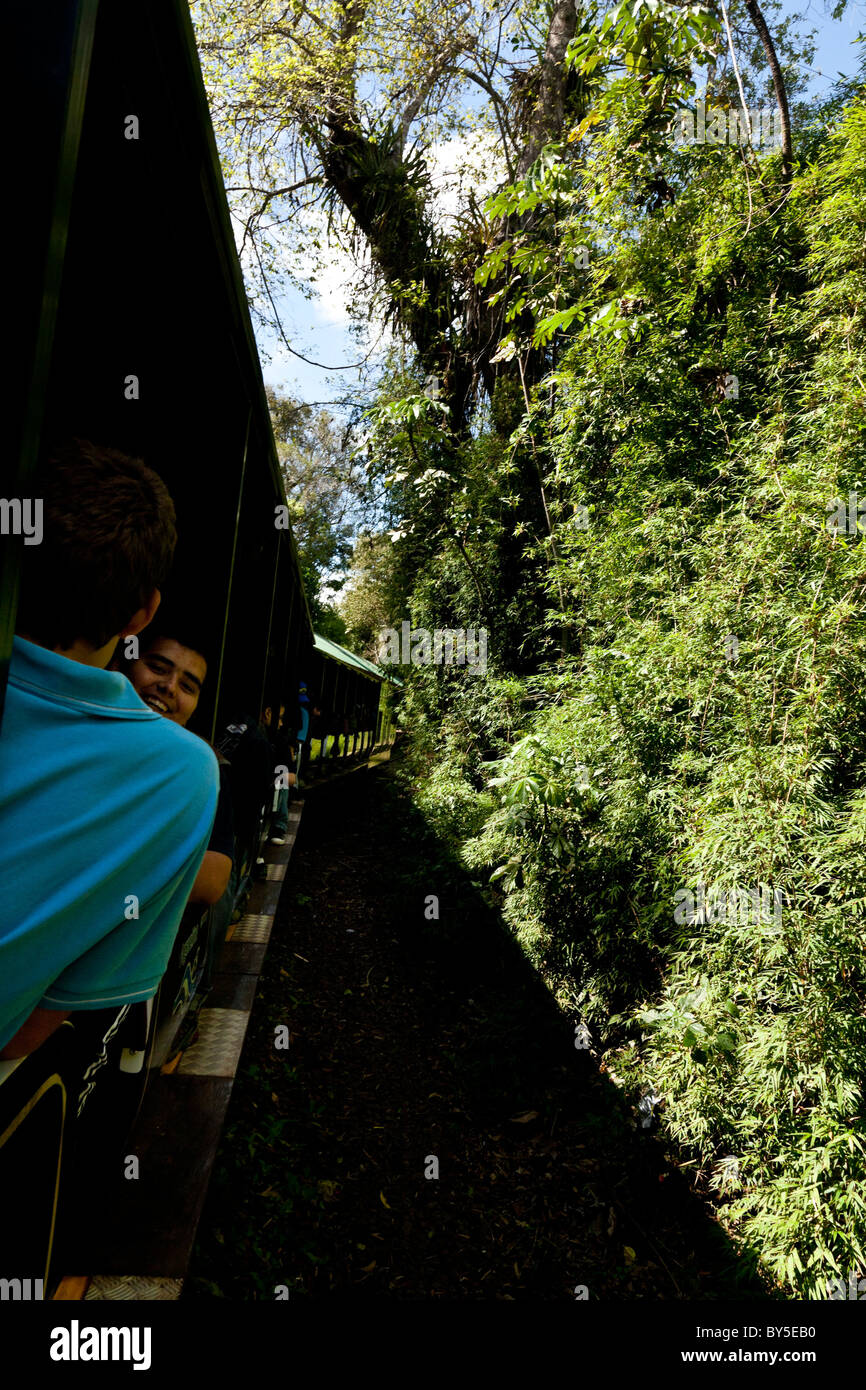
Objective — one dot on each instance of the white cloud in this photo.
(334, 283)
(318, 327)
(460, 165)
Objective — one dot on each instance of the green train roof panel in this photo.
(338, 653)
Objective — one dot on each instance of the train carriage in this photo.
(132, 329)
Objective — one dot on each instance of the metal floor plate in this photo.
(255, 926)
(218, 1048)
(115, 1287)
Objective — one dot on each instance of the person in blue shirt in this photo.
(308, 710)
(92, 898)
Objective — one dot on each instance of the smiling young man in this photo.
(93, 896)
(168, 676)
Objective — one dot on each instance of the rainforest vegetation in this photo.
(618, 420)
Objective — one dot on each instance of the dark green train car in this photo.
(131, 328)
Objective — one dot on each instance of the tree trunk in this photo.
(547, 118)
(375, 186)
(757, 18)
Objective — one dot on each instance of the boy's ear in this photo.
(144, 616)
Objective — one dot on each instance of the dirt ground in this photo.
(431, 1132)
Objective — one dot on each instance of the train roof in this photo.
(134, 268)
(128, 310)
(360, 663)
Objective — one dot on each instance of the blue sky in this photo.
(836, 50)
(319, 328)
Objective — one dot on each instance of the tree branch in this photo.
(270, 194)
(499, 109)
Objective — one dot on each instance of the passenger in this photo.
(168, 675)
(283, 752)
(302, 734)
(303, 713)
(318, 730)
(106, 808)
(245, 746)
(330, 733)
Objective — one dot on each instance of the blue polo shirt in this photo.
(106, 809)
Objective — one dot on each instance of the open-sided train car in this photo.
(129, 315)
(354, 702)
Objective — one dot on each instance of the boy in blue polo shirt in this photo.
(92, 898)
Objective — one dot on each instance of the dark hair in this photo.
(108, 541)
(177, 626)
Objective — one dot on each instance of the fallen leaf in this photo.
(524, 1118)
(382, 1200)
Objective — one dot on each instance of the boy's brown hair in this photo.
(109, 534)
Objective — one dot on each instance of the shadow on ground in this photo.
(420, 1047)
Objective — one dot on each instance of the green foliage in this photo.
(703, 723)
(323, 486)
(453, 809)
